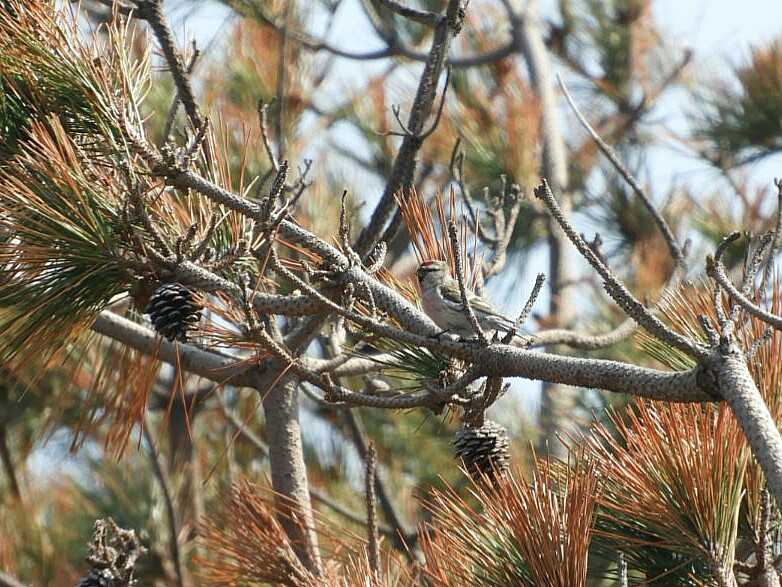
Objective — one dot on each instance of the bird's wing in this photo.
(453, 296)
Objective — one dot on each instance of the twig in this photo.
(670, 240)
(533, 296)
(424, 135)
(751, 267)
(758, 343)
(280, 118)
(456, 167)
(396, 49)
(174, 108)
(716, 270)
(377, 258)
(263, 125)
(152, 12)
(373, 540)
(420, 16)
(404, 164)
(8, 464)
(402, 401)
(754, 263)
(401, 537)
(711, 334)
(457, 261)
(503, 231)
(618, 292)
(763, 551)
(165, 487)
(775, 243)
(584, 341)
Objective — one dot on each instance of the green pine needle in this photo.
(64, 262)
(414, 367)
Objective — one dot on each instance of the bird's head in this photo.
(432, 272)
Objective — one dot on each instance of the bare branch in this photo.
(533, 296)
(420, 16)
(670, 239)
(402, 401)
(777, 240)
(393, 48)
(210, 365)
(263, 116)
(618, 292)
(711, 334)
(716, 270)
(281, 70)
(404, 164)
(402, 538)
(758, 343)
(590, 342)
(457, 261)
(748, 282)
(373, 539)
(8, 465)
(174, 108)
(440, 108)
(152, 12)
(165, 487)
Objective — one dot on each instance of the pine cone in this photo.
(113, 555)
(484, 449)
(100, 578)
(173, 311)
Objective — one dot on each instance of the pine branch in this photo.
(401, 175)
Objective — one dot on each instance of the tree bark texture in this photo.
(288, 471)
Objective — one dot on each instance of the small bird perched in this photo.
(442, 302)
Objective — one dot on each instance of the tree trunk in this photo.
(558, 401)
(288, 471)
(735, 384)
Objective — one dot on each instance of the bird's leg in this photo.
(437, 335)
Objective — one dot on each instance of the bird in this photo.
(441, 299)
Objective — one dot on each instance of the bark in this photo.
(735, 384)
(403, 168)
(288, 471)
(8, 464)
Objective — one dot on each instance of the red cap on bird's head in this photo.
(431, 266)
